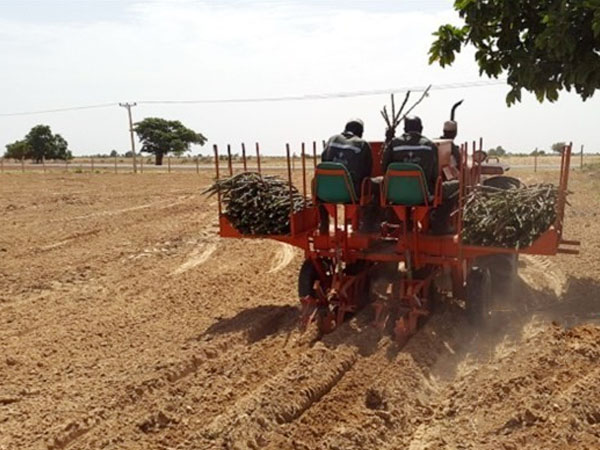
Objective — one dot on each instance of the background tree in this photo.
(39, 143)
(498, 151)
(18, 150)
(160, 137)
(113, 154)
(544, 46)
(557, 147)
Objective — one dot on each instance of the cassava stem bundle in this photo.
(511, 218)
(258, 205)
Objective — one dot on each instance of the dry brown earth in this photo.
(126, 323)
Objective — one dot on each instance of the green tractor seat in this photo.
(333, 184)
(405, 185)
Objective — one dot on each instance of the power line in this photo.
(438, 87)
(69, 108)
(327, 96)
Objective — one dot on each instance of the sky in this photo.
(63, 53)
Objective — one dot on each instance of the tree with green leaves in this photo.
(558, 147)
(543, 46)
(18, 150)
(498, 151)
(160, 137)
(39, 143)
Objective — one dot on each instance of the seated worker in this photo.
(351, 150)
(413, 147)
(440, 217)
(449, 132)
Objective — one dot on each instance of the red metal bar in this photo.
(289, 169)
(229, 160)
(258, 157)
(304, 174)
(244, 156)
(216, 151)
(461, 196)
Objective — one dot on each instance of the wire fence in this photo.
(120, 164)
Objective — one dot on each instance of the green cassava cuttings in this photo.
(511, 218)
(258, 205)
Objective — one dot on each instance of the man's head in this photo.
(412, 124)
(450, 129)
(355, 126)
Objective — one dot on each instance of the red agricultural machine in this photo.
(400, 268)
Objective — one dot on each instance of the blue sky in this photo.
(60, 53)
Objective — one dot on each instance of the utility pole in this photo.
(129, 106)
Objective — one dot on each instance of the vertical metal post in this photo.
(197, 164)
(581, 158)
(44, 163)
(303, 174)
(115, 163)
(66, 165)
(169, 163)
(535, 155)
(289, 170)
(315, 154)
(229, 160)
(258, 158)
(216, 152)
(92, 162)
(22, 165)
(244, 157)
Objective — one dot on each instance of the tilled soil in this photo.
(125, 322)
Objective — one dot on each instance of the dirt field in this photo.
(125, 322)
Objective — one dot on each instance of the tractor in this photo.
(398, 269)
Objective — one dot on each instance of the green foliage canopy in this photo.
(498, 151)
(544, 46)
(39, 143)
(160, 137)
(557, 147)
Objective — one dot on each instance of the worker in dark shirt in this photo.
(413, 147)
(351, 150)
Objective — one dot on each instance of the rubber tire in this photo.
(306, 279)
(504, 272)
(479, 296)
(503, 267)
(503, 182)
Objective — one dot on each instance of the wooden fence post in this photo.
(1, 165)
(581, 158)
(66, 165)
(535, 155)
(23, 165)
(169, 163)
(44, 163)
(115, 164)
(141, 163)
(197, 165)
(92, 161)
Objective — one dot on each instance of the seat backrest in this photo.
(333, 183)
(405, 185)
(423, 155)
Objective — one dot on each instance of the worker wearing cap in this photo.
(440, 217)
(449, 132)
(351, 150)
(413, 147)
